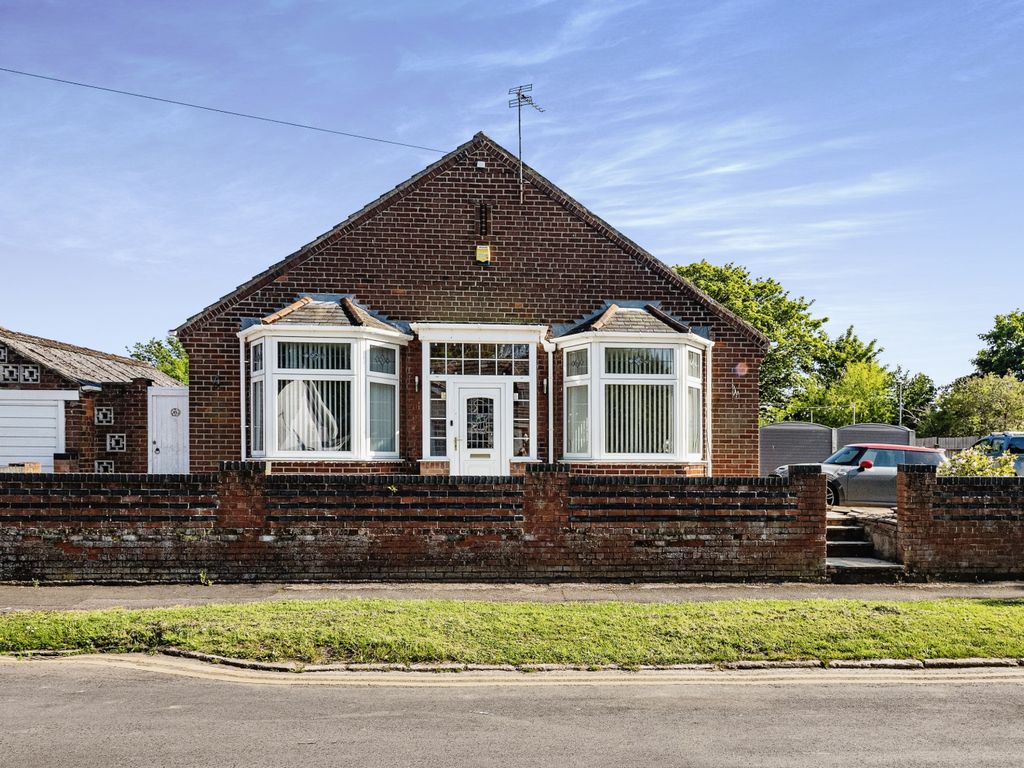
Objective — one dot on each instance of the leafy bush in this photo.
(976, 463)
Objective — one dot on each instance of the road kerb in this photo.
(751, 665)
(968, 663)
(875, 664)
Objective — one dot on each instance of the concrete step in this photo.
(839, 518)
(862, 570)
(844, 533)
(850, 549)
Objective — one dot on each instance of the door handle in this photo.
(456, 443)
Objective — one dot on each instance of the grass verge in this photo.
(589, 634)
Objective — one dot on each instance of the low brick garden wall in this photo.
(548, 525)
(959, 527)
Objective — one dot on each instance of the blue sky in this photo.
(867, 154)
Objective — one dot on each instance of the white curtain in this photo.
(314, 415)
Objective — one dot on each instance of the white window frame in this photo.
(360, 340)
(391, 379)
(595, 379)
(479, 333)
(693, 382)
(584, 381)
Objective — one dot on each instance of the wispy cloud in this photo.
(578, 32)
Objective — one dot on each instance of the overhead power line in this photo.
(221, 111)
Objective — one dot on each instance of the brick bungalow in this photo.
(451, 328)
(72, 409)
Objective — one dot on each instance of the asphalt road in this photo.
(82, 713)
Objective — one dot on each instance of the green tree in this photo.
(837, 354)
(863, 392)
(165, 355)
(797, 336)
(1004, 347)
(918, 395)
(977, 405)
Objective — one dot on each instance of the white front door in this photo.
(479, 437)
(168, 430)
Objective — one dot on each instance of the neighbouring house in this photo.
(462, 324)
(72, 409)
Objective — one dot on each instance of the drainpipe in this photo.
(707, 406)
(241, 397)
(549, 347)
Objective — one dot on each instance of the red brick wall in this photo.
(957, 527)
(413, 260)
(549, 525)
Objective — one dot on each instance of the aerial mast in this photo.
(520, 96)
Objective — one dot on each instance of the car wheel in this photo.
(831, 495)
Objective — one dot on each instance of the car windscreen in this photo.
(848, 456)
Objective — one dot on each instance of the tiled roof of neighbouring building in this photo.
(82, 365)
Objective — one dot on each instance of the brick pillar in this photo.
(915, 487)
(242, 497)
(546, 515)
(808, 484)
(65, 462)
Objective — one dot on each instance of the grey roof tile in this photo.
(85, 366)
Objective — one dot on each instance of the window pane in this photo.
(576, 363)
(521, 418)
(257, 357)
(694, 421)
(314, 415)
(577, 423)
(638, 360)
(383, 429)
(383, 359)
(638, 418)
(694, 364)
(314, 355)
(480, 423)
(257, 416)
(439, 419)
(471, 359)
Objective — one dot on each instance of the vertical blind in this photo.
(694, 420)
(382, 417)
(638, 361)
(577, 420)
(314, 356)
(257, 416)
(638, 418)
(314, 415)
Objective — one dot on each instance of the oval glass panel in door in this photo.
(479, 423)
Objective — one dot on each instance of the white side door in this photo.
(168, 430)
(479, 438)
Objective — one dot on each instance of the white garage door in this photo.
(32, 426)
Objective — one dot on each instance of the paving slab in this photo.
(24, 597)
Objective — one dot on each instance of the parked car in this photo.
(999, 443)
(865, 473)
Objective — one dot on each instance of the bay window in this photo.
(323, 395)
(633, 399)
